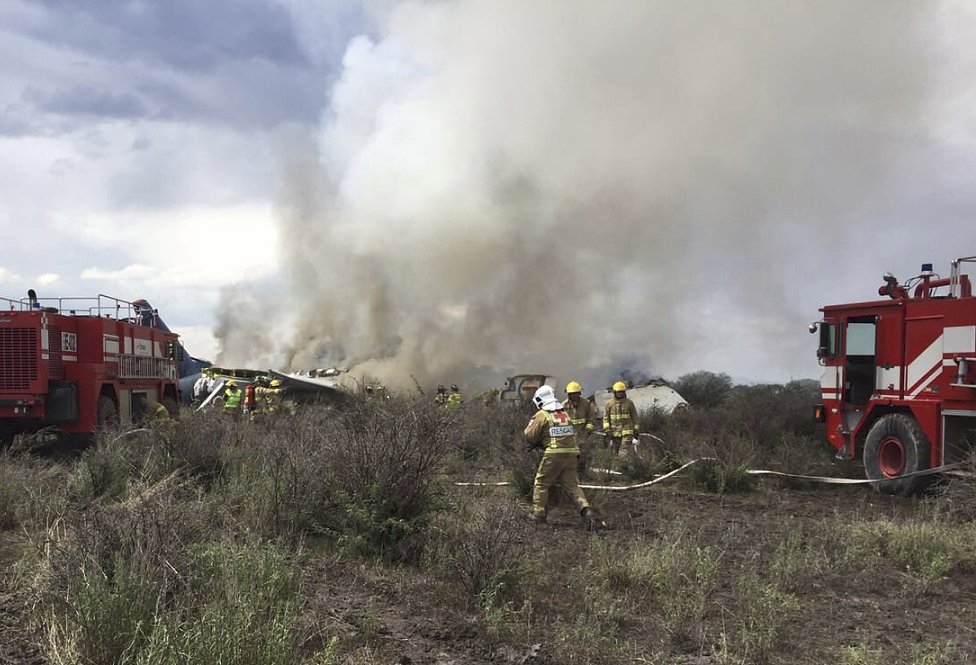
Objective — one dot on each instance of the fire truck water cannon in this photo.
(899, 381)
(69, 366)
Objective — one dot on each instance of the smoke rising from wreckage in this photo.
(468, 204)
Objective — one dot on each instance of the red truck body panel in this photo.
(55, 365)
(914, 355)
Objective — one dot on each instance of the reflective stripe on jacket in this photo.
(580, 415)
(620, 418)
(232, 399)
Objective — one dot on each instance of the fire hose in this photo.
(949, 469)
(752, 472)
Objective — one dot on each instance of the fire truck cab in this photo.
(69, 366)
(899, 381)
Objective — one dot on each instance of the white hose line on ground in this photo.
(623, 488)
(603, 487)
(503, 483)
(129, 433)
(754, 472)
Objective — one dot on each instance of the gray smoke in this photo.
(548, 186)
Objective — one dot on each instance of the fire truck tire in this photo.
(896, 446)
(108, 413)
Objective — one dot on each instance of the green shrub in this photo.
(704, 389)
(382, 486)
(721, 476)
(483, 546)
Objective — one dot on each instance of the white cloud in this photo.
(47, 278)
(203, 247)
(199, 341)
(135, 271)
(6, 276)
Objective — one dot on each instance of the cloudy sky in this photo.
(761, 159)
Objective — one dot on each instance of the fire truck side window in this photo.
(860, 339)
(828, 341)
(859, 346)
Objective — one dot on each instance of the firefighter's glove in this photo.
(530, 446)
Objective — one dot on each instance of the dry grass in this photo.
(195, 542)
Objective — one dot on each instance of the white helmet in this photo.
(545, 399)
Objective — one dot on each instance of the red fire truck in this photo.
(69, 366)
(899, 381)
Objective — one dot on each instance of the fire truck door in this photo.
(923, 354)
(860, 343)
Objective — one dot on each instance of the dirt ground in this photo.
(402, 618)
(411, 627)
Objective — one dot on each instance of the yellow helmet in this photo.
(275, 383)
(232, 383)
(619, 387)
(573, 387)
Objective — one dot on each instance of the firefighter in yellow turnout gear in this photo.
(232, 399)
(271, 398)
(581, 415)
(621, 424)
(551, 429)
(455, 399)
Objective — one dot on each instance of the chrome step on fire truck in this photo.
(899, 381)
(69, 366)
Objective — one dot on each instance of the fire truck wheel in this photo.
(896, 446)
(108, 413)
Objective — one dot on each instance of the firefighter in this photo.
(551, 430)
(157, 413)
(455, 398)
(620, 422)
(441, 397)
(250, 401)
(232, 399)
(490, 398)
(200, 389)
(272, 397)
(581, 414)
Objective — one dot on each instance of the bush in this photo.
(483, 546)
(704, 389)
(111, 568)
(274, 482)
(381, 486)
(244, 610)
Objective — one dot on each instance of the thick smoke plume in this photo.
(551, 186)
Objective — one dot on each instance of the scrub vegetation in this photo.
(342, 537)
